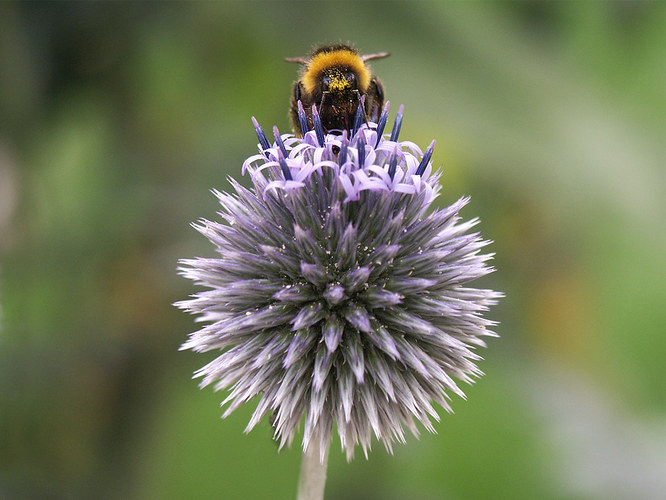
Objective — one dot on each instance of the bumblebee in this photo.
(334, 78)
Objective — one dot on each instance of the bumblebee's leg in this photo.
(365, 108)
(325, 97)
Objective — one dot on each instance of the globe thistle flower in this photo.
(337, 297)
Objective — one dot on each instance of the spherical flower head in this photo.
(338, 296)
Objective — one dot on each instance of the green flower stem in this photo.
(312, 481)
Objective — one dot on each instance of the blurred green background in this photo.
(117, 118)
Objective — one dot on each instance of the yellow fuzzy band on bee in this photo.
(336, 58)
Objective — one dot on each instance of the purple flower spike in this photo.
(397, 124)
(359, 116)
(285, 168)
(302, 118)
(319, 129)
(382, 122)
(263, 141)
(338, 297)
(426, 159)
(361, 150)
(393, 163)
(278, 141)
(342, 155)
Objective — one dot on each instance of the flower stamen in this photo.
(382, 122)
(263, 141)
(397, 124)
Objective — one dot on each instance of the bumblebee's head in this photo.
(339, 80)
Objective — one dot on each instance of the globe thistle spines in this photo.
(389, 165)
(337, 298)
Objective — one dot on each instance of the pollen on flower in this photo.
(338, 297)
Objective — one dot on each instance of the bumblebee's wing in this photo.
(377, 55)
(366, 57)
(300, 60)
